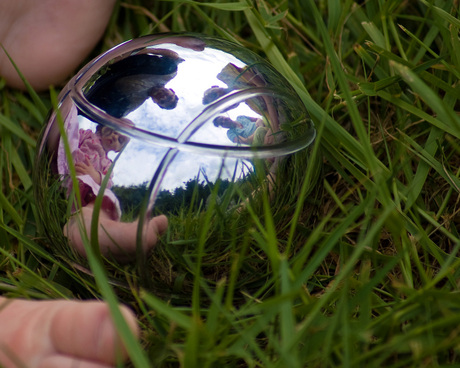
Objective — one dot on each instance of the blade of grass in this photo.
(231, 6)
(444, 113)
(35, 97)
(16, 130)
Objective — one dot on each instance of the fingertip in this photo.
(86, 330)
(131, 320)
(161, 222)
(112, 345)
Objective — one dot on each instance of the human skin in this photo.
(60, 334)
(48, 39)
(111, 142)
(116, 239)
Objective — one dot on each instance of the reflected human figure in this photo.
(89, 154)
(251, 131)
(90, 157)
(237, 78)
(243, 130)
(127, 83)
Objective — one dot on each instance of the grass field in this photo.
(365, 272)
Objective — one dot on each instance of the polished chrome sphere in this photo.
(174, 124)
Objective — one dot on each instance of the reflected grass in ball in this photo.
(193, 127)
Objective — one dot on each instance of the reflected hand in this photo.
(269, 139)
(87, 168)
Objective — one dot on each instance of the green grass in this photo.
(363, 272)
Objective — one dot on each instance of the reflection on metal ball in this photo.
(174, 124)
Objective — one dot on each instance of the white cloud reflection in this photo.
(139, 160)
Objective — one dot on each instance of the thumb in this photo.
(161, 223)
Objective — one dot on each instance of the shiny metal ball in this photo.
(173, 124)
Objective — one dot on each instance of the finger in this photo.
(85, 330)
(80, 165)
(161, 223)
(80, 169)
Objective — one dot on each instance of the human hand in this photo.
(269, 139)
(57, 33)
(243, 140)
(87, 168)
(61, 333)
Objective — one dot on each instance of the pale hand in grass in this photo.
(60, 334)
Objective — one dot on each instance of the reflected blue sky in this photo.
(139, 160)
